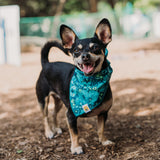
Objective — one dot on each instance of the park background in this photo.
(134, 53)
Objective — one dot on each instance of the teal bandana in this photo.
(86, 93)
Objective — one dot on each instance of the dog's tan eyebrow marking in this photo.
(80, 46)
(91, 45)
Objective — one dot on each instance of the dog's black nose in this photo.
(85, 57)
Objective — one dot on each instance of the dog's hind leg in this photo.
(44, 106)
(58, 105)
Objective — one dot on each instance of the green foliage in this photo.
(74, 6)
(104, 7)
(147, 5)
(19, 151)
(33, 8)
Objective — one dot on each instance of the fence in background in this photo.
(83, 24)
(135, 25)
(10, 35)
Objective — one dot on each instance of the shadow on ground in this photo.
(133, 124)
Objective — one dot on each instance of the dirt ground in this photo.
(134, 119)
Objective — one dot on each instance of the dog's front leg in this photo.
(72, 125)
(101, 123)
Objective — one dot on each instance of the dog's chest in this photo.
(105, 106)
(87, 93)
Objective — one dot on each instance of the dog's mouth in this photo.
(88, 68)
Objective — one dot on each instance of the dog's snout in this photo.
(85, 57)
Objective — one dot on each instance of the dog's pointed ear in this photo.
(68, 36)
(103, 31)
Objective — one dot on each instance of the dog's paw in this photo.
(108, 143)
(57, 130)
(77, 150)
(49, 134)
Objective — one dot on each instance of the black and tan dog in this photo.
(54, 80)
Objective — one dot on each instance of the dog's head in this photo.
(88, 54)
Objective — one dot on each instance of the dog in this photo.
(55, 80)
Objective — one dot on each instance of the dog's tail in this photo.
(47, 47)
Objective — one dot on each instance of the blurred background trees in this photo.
(34, 8)
(132, 18)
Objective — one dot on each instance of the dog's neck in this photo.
(105, 63)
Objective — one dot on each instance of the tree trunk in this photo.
(93, 6)
(60, 7)
(57, 18)
(112, 4)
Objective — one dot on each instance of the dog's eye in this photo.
(94, 48)
(76, 52)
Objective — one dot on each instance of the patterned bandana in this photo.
(86, 93)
